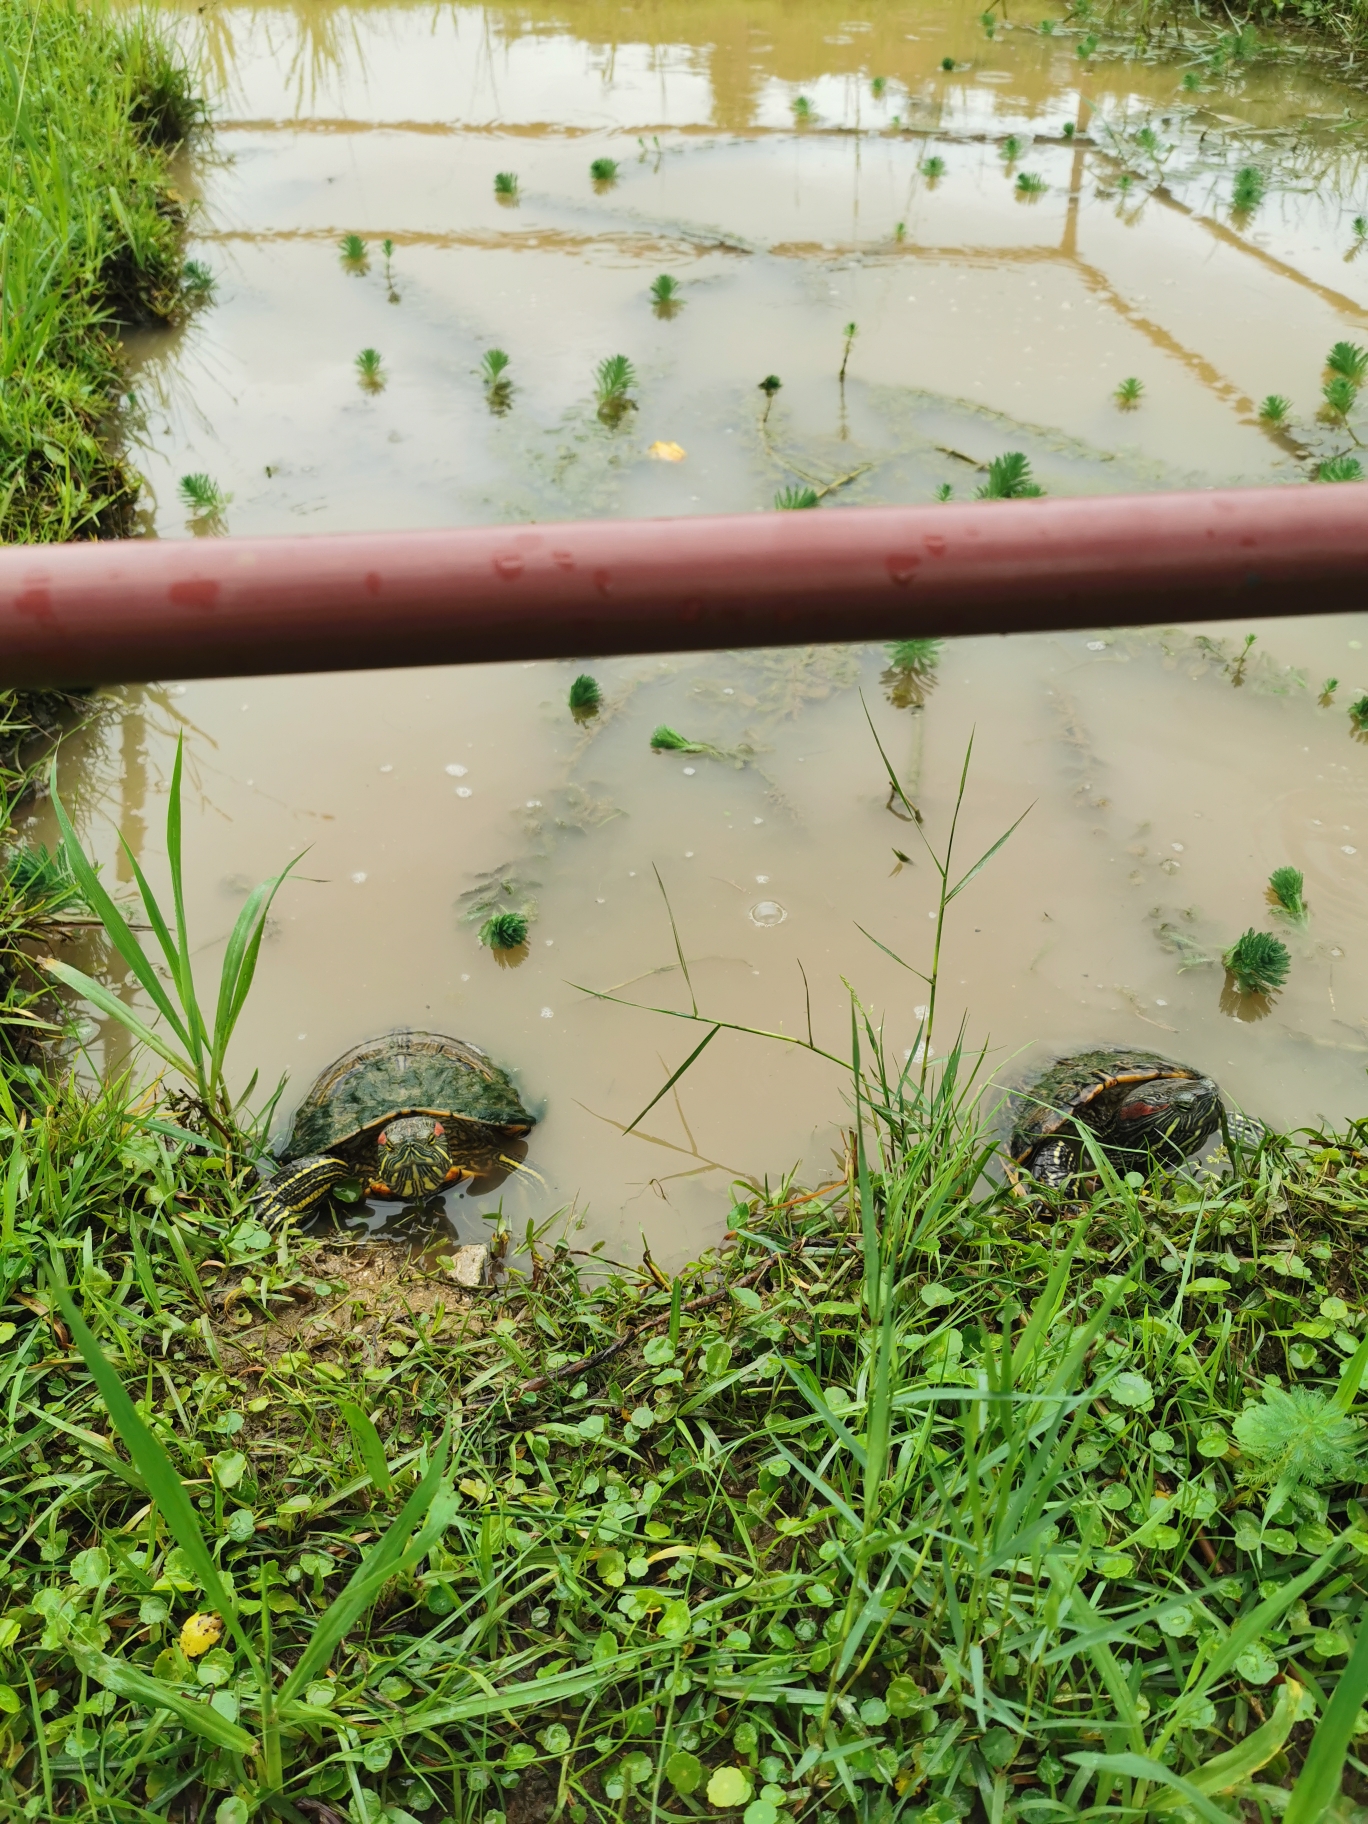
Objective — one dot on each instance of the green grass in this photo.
(92, 105)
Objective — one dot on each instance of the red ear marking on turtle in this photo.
(377, 1189)
(382, 1138)
(437, 1128)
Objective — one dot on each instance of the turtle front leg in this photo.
(1054, 1162)
(299, 1188)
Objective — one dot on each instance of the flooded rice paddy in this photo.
(1165, 776)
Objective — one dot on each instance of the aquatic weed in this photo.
(1030, 184)
(1340, 396)
(933, 168)
(202, 494)
(1327, 692)
(769, 386)
(1286, 885)
(1349, 361)
(1011, 148)
(1009, 478)
(915, 654)
(947, 64)
(585, 697)
(1086, 46)
(1258, 962)
(1274, 410)
(504, 931)
(369, 370)
(1129, 393)
(850, 332)
(665, 296)
(943, 491)
(498, 388)
(603, 172)
(354, 253)
(198, 280)
(1249, 189)
(506, 186)
(802, 109)
(1358, 715)
(1340, 468)
(795, 499)
(614, 378)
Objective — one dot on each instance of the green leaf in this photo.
(729, 1788)
(90, 1568)
(684, 1771)
(369, 1447)
(127, 1681)
(1141, 1767)
(675, 1622)
(1225, 1771)
(115, 1009)
(229, 1467)
(1318, 1783)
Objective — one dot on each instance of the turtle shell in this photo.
(404, 1073)
(1089, 1085)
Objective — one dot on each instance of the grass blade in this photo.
(673, 1079)
(115, 1009)
(127, 1681)
(1318, 1783)
(368, 1445)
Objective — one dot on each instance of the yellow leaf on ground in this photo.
(666, 452)
(199, 1634)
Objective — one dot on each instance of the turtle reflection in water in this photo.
(403, 1115)
(1141, 1109)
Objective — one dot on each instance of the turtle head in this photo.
(413, 1158)
(1169, 1118)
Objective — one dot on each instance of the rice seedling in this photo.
(1129, 393)
(1249, 189)
(1340, 468)
(795, 499)
(932, 168)
(1009, 478)
(1327, 692)
(603, 172)
(614, 378)
(1358, 715)
(370, 371)
(1349, 361)
(354, 253)
(1030, 184)
(802, 109)
(202, 495)
(1285, 887)
(666, 300)
(850, 332)
(506, 186)
(1274, 410)
(947, 63)
(1258, 962)
(504, 931)
(586, 698)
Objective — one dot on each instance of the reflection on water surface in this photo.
(1166, 783)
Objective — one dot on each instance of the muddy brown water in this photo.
(1163, 782)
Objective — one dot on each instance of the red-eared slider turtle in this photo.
(404, 1115)
(1142, 1108)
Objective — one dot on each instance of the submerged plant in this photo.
(1009, 478)
(665, 298)
(1249, 189)
(202, 495)
(368, 370)
(1285, 884)
(1358, 715)
(794, 499)
(915, 654)
(506, 186)
(585, 697)
(504, 931)
(614, 379)
(498, 390)
(802, 108)
(197, 281)
(932, 168)
(1030, 183)
(354, 253)
(1327, 693)
(849, 332)
(1340, 468)
(1129, 392)
(1273, 410)
(1258, 962)
(603, 171)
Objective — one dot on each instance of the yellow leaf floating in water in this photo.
(199, 1634)
(666, 452)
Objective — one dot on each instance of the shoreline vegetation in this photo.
(913, 1499)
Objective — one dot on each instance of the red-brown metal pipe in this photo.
(152, 608)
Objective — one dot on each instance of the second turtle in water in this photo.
(404, 1115)
(1140, 1108)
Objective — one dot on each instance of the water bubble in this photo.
(762, 880)
(1097, 645)
(465, 978)
(534, 804)
(458, 772)
(302, 1035)
(464, 791)
(547, 1014)
(386, 769)
(690, 769)
(1161, 1003)
(1347, 848)
(767, 912)
(358, 879)
(1177, 847)
(757, 820)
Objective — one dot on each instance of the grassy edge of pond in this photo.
(93, 107)
(912, 1497)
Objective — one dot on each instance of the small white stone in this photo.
(757, 820)
(1161, 1003)
(1177, 847)
(303, 1035)
(547, 1014)
(534, 804)
(386, 769)
(689, 769)
(688, 854)
(762, 880)
(600, 902)
(457, 772)
(358, 879)
(1347, 848)
(465, 978)
(1097, 645)
(549, 942)
(463, 791)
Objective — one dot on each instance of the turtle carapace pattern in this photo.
(403, 1115)
(1142, 1109)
